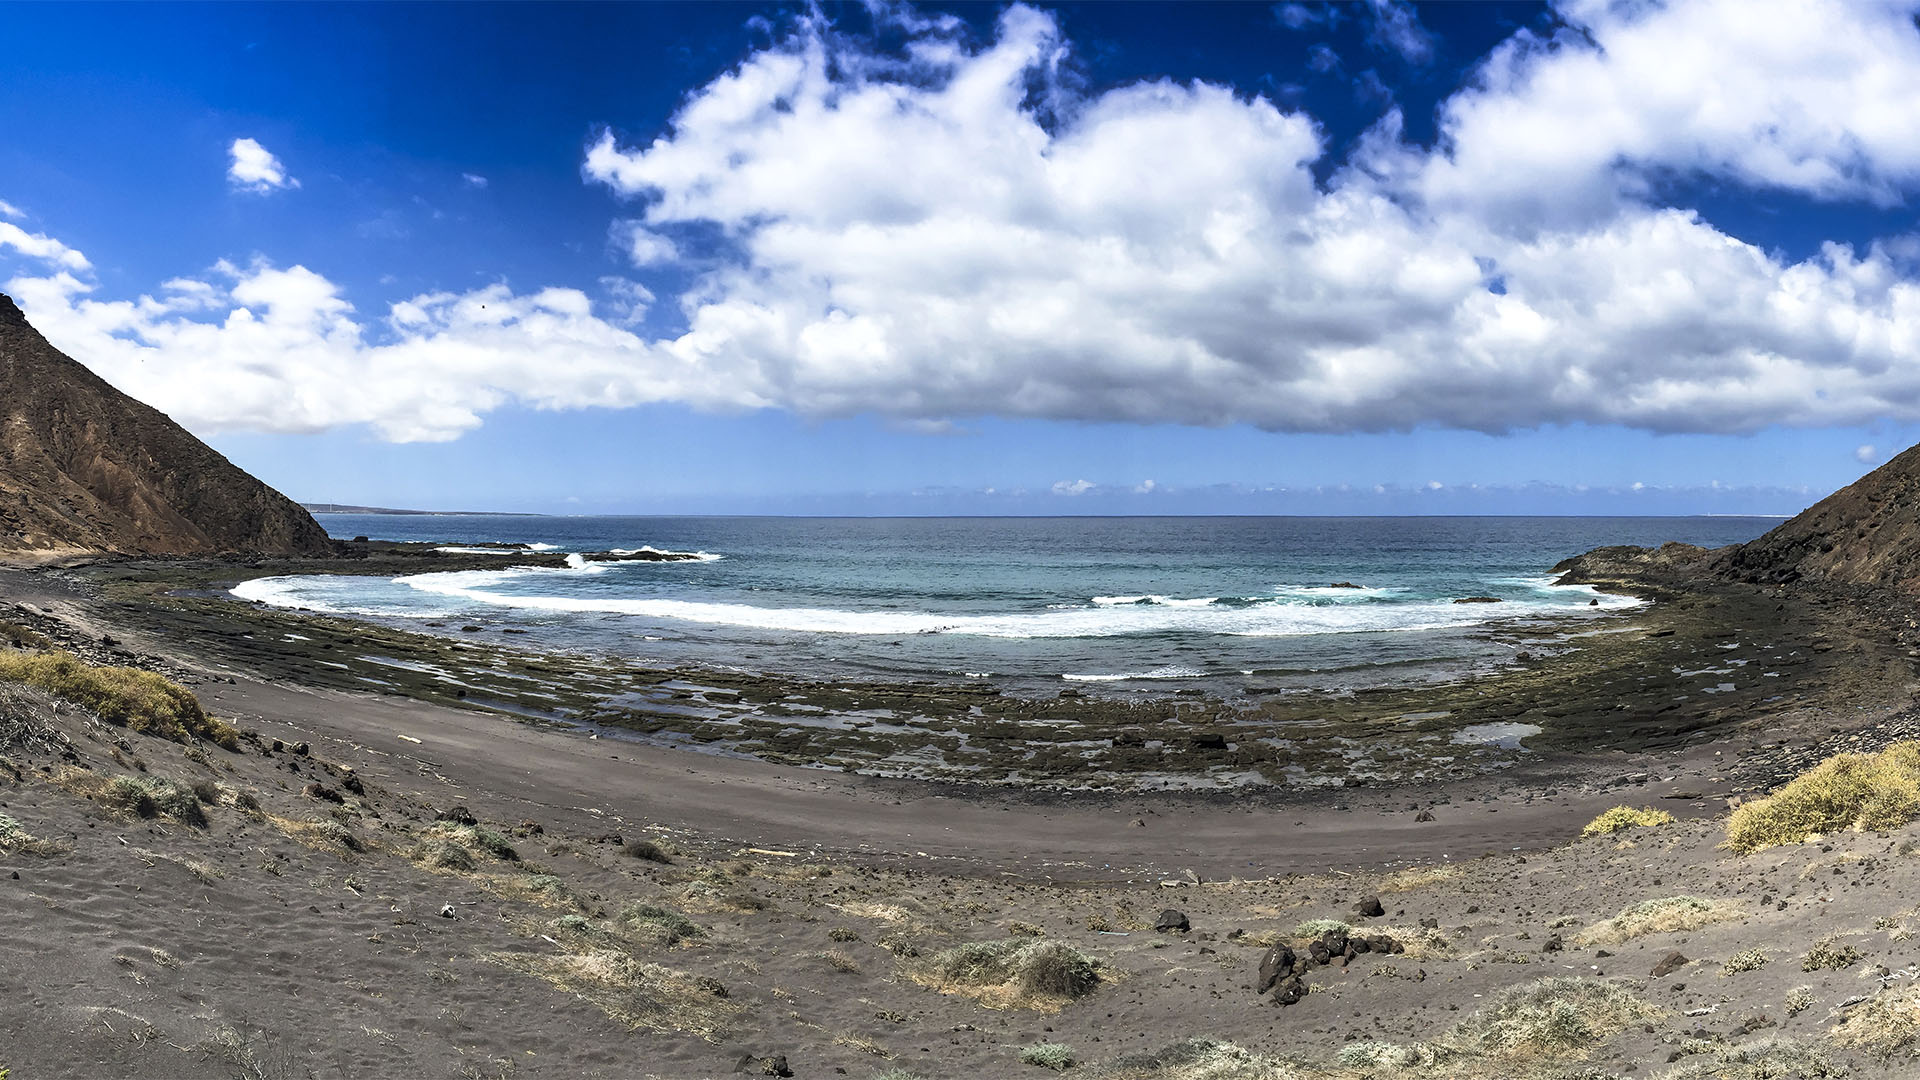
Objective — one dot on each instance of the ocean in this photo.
(1149, 605)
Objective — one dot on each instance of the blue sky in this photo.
(1109, 258)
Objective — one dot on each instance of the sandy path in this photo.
(560, 775)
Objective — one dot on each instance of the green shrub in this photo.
(1857, 791)
(1626, 817)
(138, 700)
(494, 844)
(1048, 1055)
(151, 796)
(1313, 928)
(671, 926)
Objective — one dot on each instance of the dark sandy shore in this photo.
(261, 944)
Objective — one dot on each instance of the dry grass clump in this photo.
(138, 700)
(646, 851)
(1886, 1026)
(1198, 1059)
(1553, 1017)
(136, 796)
(636, 994)
(1626, 817)
(1418, 877)
(1029, 973)
(1857, 791)
(1763, 1059)
(447, 846)
(1665, 914)
(325, 835)
(14, 838)
(1745, 960)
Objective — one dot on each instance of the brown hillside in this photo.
(84, 466)
(1867, 533)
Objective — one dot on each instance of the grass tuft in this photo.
(1846, 791)
(1626, 817)
(1552, 1017)
(1662, 915)
(1764, 1059)
(668, 925)
(1013, 973)
(1049, 1055)
(636, 994)
(1313, 928)
(137, 700)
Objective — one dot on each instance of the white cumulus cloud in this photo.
(957, 228)
(1073, 487)
(8, 210)
(253, 168)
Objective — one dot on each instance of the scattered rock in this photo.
(1553, 944)
(446, 911)
(774, 1065)
(458, 814)
(1478, 600)
(1424, 815)
(352, 783)
(1172, 921)
(1369, 907)
(1673, 962)
(323, 793)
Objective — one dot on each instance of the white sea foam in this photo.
(543, 547)
(524, 588)
(686, 556)
(1156, 673)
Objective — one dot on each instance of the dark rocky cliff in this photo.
(85, 467)
(1867, 533)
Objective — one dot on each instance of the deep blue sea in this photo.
(1129, 604)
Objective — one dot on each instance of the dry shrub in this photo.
(646, 851)
(1763, 1059)
(636, 994)
(21, 637)
(1626, 817)
(1887, 1026)
(138, 700)
(1830, 954)
(1553, 1017)
(1668, 913)
(27, 715)
(1418, 877)
(1014, 973)
(1857, 791)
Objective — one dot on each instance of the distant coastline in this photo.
(343, 508)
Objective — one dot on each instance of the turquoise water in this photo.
(1222, 604)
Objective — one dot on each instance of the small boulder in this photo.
(1673, 962)
(458, 814)
(1172, 921)
(1276, 966)
(1369, 907)
(1424, 815)
(446, 911)
(352, 783)
(1289, 991)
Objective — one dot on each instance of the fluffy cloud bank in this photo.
(956, 229)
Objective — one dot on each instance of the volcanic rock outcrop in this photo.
(84, 467)
(1867, 533)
